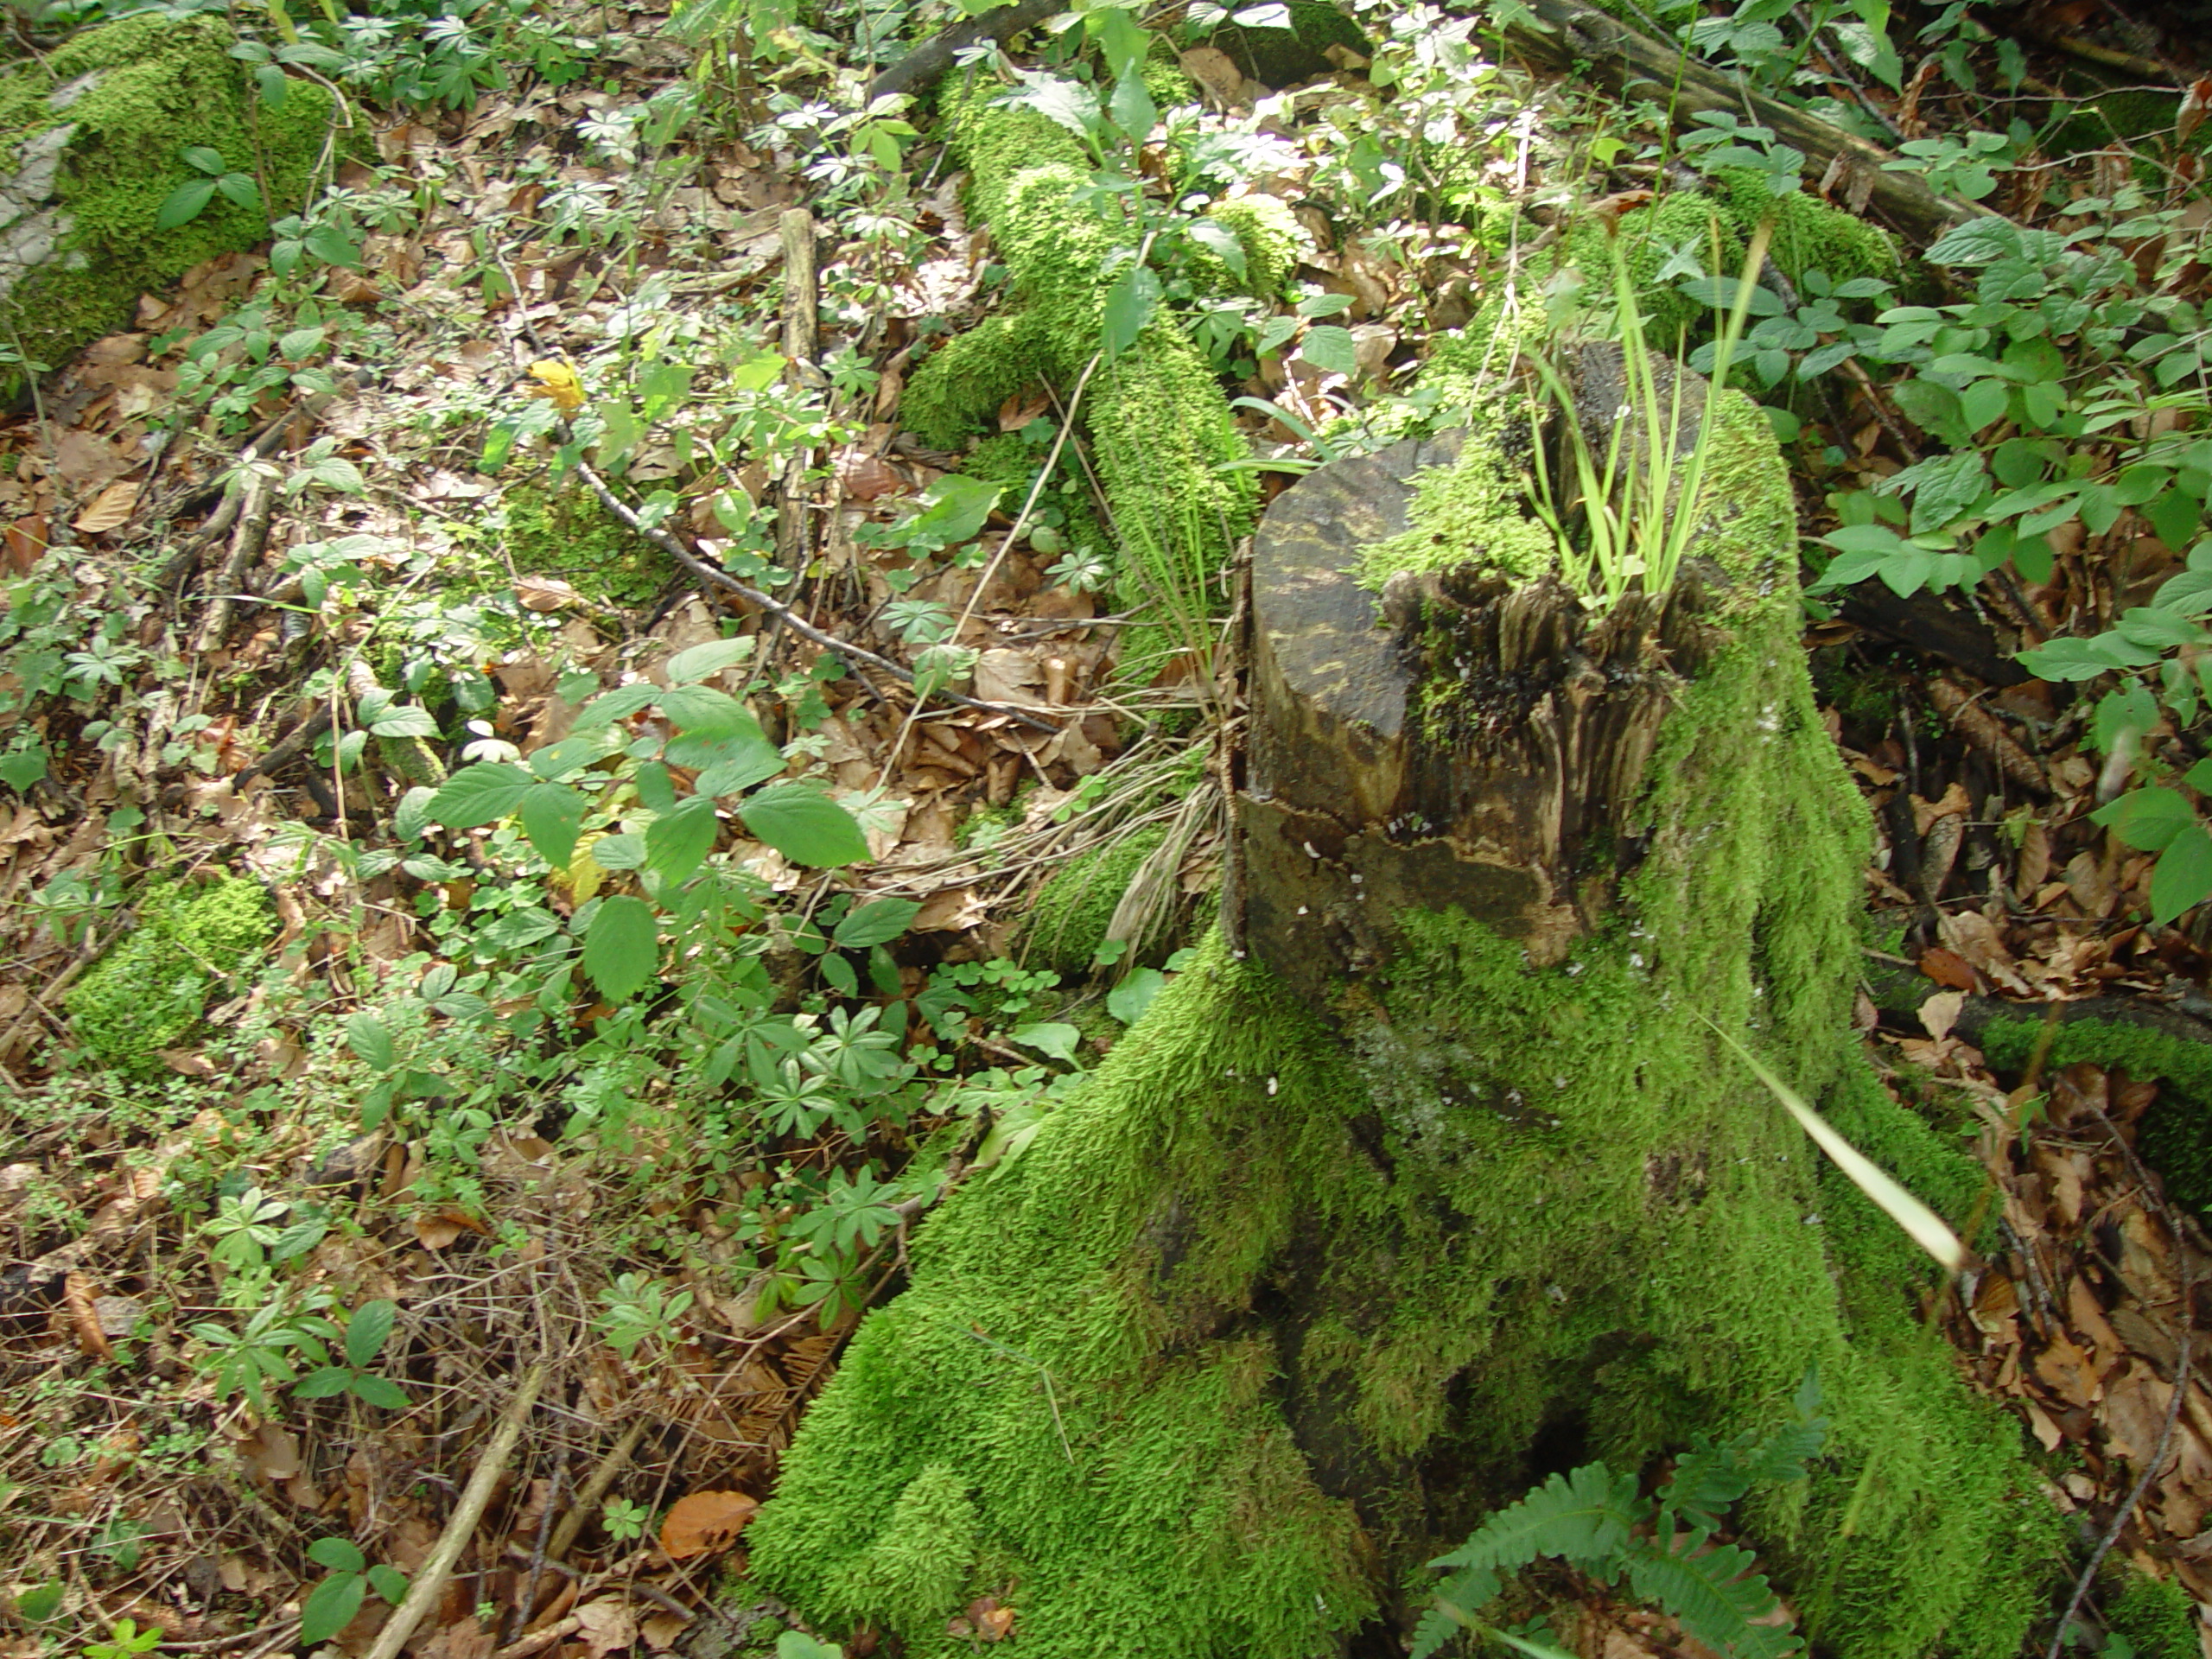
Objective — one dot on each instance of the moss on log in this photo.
(92, 139)
(1450, 1180)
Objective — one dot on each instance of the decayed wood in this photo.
(1567, 35)
(1477, 744)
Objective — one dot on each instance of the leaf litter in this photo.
(151, 1493)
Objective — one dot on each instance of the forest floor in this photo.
(287, 1209)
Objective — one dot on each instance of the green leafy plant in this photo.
(1595, 1520)
(624, 1520)
(638, 1309)
(189, 199)
(330, 1607)
(366, 1332)
(616, 787)
(125, 1640)
(1641, 503)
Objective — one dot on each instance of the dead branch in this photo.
(430, 1580)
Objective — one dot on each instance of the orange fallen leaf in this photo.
(705, 1522)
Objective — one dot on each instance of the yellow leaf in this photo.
(584, 877)
(559, 381)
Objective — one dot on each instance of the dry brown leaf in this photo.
(1947, 968)
(1941, 1012)
(1956, 801)
(704, 1522)
(109, 508)
(77, 1291)
(661, 1630)
(543, 593)
(2067, 1371)
(605, 1625)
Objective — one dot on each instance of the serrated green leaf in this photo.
(367, 1331)
(330, 1607)
(2183, 878)
(1330, 349)
(696, 663)
(701, 709)
(677, 842)
(2149, 819)
(622, 946)
(877, 922)
(552, 816)
(805, 825)
(481, 794)
(618, 705)
(366, 1036)
(409, 720)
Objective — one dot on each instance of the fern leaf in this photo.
(1716, 1595)
(1708, 1478)
(1784, 1453)
(1456, 1599)
(1585, 1517)
(1436, 1626)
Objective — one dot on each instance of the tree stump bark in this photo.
(1451, 1182)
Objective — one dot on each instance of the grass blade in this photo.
(1923, 1225)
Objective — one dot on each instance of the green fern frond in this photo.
(1708, 1478)
(1438, 1626)
(1584, 1516)
(1716, 1595)
(1784, 1453)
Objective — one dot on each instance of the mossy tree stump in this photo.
(1438, 1175)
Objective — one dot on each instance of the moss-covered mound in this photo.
(1162, 435)
(1068, 920)
(1287, 1297)
(150, 990)
(93, 140)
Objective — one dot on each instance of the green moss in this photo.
(1272, 239)
(2158, 1615)
(1476, 510)
(1067, 921)
(1809, 234)
(2175, 1135)
(1161, 428)
(158, 84)
(918, 1568)
(150, 990)
(1681, 226)
(1275, 1306)
(566, 533)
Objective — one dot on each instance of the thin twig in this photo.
(430, 1580)
(998, 555)
(594, 1489)
(258, 508)
(790, 618)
